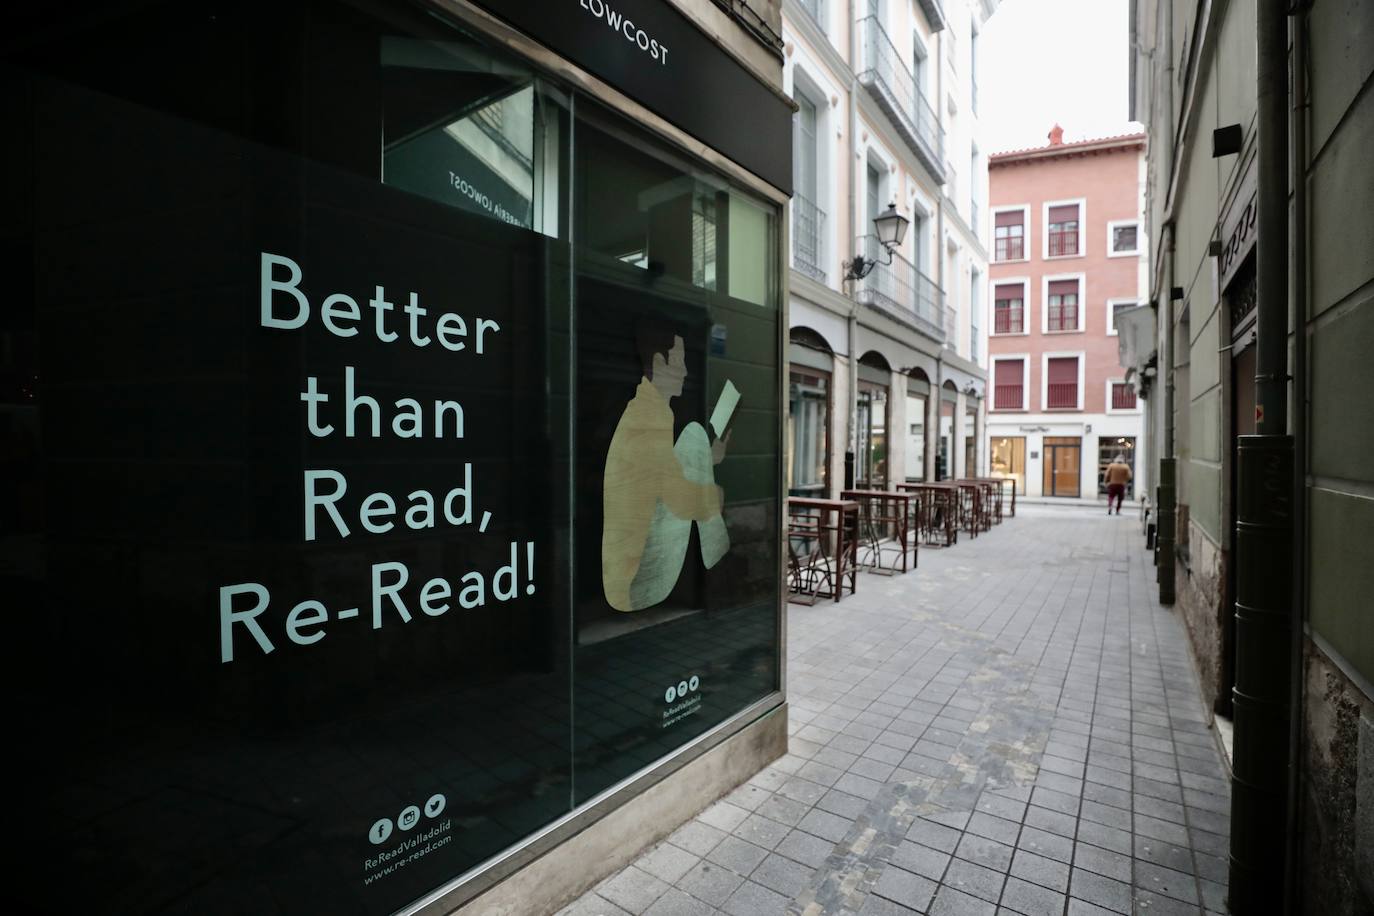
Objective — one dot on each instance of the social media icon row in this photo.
(681, 689)
(409, 817)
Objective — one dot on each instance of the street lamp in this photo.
(890, 227)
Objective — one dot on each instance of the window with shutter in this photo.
(1008, 384)
(1063, 230)
(1009, 233)
(1061, 383)
(1009, 309)
(1061, 306)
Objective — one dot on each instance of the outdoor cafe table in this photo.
(881, 511)
(971, 507)
(939, 511)
(992, 498)
(1001, 492)
(822, 520)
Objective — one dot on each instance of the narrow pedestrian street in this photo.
(1012, 728)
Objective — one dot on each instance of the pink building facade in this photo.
(1068, 254)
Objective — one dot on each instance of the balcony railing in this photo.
(816, 10)
(1008, 397)
(899, 286)
(951, 329)
(808, 222)
(1063, 243)
(892, 86)
(1009, 320)
(1010, 248)
(1062, 318)
(1061, 396)
(1123, 397)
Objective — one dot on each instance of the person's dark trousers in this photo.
(1115, 491)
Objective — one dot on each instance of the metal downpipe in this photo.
(1264, 521)
(1166, 535)
(1297, 166)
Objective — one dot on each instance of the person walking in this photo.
(1118, 474)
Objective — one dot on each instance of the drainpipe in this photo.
(1297, 167)
(1264, 520)
(852, 433)
(1167, 508)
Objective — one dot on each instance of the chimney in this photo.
(1056, 136)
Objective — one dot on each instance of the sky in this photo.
(1047, 61)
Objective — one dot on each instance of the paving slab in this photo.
(1013, 727)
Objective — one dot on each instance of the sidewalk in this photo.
(1012, 728)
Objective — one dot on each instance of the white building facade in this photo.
(887, 371)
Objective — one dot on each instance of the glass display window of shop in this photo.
(1007, 458)
(971, 439)
(807, 461)
(944, 469)
(1063, 462)
(872, 472)
(1108, 448)
(335, 550)
(917, 396)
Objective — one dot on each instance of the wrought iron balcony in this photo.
(903, 289)
(951, 329)
(892, 86)
(808, 222)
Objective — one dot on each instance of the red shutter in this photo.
(1007, 291)
(1063, 370)
(1063, 287)
(1009, 372)
(1009, 218)
(1064, 214)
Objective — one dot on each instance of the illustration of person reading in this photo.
(655, 489)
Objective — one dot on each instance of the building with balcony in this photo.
(1068, 257)
(888, 373)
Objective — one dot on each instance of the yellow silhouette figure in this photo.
(654, 489)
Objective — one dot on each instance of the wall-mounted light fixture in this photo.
(890, 227)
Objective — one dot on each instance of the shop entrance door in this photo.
(1063, 466)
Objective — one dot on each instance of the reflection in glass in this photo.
(808, 433)
(1008, 459)
(1108, 447)
(872, 416)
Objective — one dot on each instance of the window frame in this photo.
(1112, 226)
(1112, 303)
(1081, 356)
(1045, 282)
(1025, 359)
(1082, 204)
(1024, 209)
(1108, 394)
(1025, 307)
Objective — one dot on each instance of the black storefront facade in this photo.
(391, 411)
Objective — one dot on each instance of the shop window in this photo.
(1007, 458)
(1108, 448)
(872, 472)
(328, 404)
(808, 433)
(916, 437)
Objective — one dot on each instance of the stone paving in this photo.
(1012, 728)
